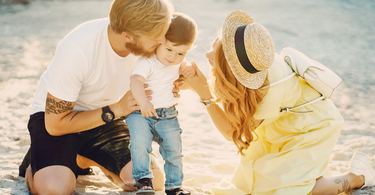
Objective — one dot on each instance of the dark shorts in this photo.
(107, 145)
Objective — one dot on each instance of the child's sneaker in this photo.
(177, 191)
(144, 182)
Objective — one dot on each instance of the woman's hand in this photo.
(187, 71)
(198, 83)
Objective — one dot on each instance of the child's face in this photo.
(168, 54)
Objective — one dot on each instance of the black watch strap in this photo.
(107, 115)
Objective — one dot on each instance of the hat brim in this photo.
(234, 20)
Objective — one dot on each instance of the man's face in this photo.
(144, 46)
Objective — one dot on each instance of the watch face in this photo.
(108, 117)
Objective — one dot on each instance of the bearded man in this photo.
(78, 110)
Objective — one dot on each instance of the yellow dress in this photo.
(291, 150)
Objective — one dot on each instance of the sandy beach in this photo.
(336, 33)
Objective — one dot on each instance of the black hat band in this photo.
(241, 51)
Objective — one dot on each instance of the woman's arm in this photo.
(220, 121)
(199, 85)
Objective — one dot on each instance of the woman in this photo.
(281, 153)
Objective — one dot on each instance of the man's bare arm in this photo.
(61, 120)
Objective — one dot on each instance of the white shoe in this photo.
(361, 165)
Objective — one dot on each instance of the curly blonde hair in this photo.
(239, 103)
(141, 18)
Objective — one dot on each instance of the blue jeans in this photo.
(166, 132)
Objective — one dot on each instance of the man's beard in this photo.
(137, 49)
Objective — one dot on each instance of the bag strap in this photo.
(279, 81)
(302, 105)
(290, 109)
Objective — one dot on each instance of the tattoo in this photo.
(55, 107)
(110, 178)
(345, 185)
(28, 184)
(75, 115)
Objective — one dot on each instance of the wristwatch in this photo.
(208, 102)
(107, 116)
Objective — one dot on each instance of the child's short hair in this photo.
(141, 18)
(183, 30)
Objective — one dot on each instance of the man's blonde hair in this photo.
(141, 17)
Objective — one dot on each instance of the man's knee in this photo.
(54, 180)
(54, 190)
(29, 180)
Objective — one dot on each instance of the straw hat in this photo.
(248, 48)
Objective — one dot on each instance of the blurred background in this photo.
(337, 33)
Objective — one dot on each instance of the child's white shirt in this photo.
(159, 78)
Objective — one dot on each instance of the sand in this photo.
(338, 34)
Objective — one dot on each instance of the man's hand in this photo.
(128, 104)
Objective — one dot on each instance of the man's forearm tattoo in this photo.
(54, 107)
(345, 185)
(75, 115)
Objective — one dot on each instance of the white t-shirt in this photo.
(159, 78)
(85, 70)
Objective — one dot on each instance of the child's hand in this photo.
(187, 71)
(147, 110)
